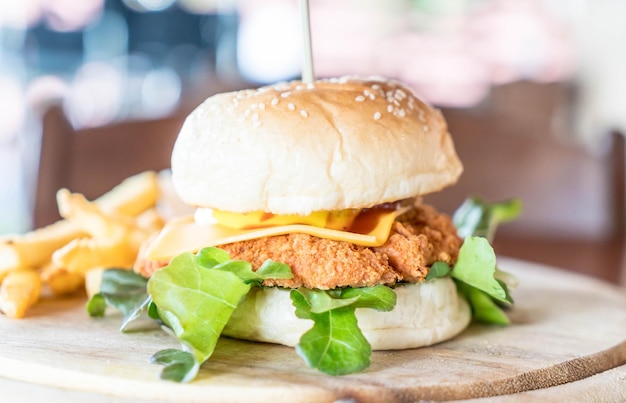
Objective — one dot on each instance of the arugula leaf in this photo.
(195, 296)
(96, 306)
(379, 297)
(475, 217)
(180, 366)
(484, 309)
(123, 290)
(438, 270)
(319, 301)
(475, 272)
(476, 266)
(335, 345)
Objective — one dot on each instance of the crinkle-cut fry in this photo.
(61, 281)
(82, 255)
(34, 249)
(19, 291)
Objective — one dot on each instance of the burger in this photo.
(325, 179)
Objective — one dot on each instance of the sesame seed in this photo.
(401, 113)
(291, 106)
(421, 116)
(360, 98)
(285, 94)
(372, 96)
(426, 128)
(255, 117)
(274, 101)
(304, 113)
(262, 105)
(377, 116)
(256, 124)
(389, 108)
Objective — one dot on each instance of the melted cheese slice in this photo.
(185, 235)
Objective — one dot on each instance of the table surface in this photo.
(568, 339)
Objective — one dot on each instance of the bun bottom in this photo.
(425, 314)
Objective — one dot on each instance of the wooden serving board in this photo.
(565, 328)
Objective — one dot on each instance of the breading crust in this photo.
(418, 239)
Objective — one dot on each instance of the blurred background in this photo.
(532, 89)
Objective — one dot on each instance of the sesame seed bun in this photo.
(294, 148)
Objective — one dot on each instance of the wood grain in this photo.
(565, 328)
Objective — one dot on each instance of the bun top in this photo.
(295, 148)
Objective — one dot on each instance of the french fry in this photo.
(150, 221)
(108, 228)
(81, 255)
(20, 290)
(34, 249)
(93, 280)
(61, 281)
(133, 195)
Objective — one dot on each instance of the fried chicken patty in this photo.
(418, 238)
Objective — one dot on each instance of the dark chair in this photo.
(514, 145)
(92, 161)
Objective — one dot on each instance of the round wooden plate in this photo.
(565, 328)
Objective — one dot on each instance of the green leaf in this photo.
(321, 301)
(194, 302)
(195, 295)
(180, 366)
(438, 270)
(334, 345)
(476, 217)
(271, 269)
(243, 270)
(476, 266)
(153, 311)
(131, 306)
(379, 297)
(123, 290)
(475, 271)
(122, 281)
(96, 306)
(484, 309)
(211, 257)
